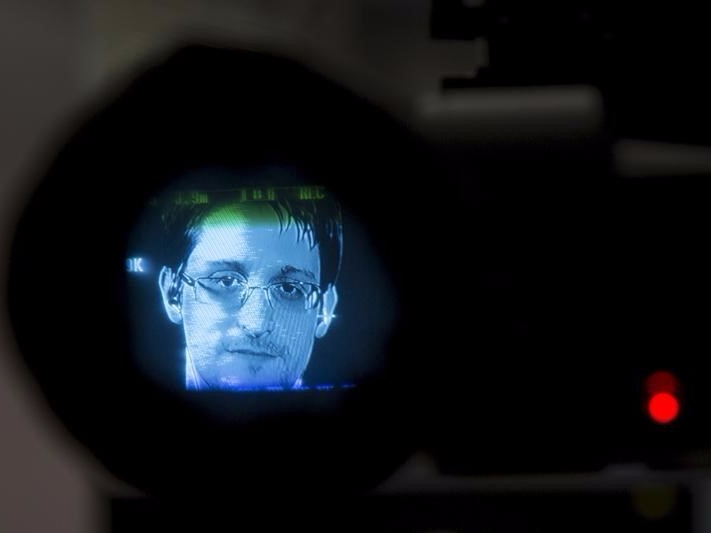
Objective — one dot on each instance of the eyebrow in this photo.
(239, 267)
(226, 265)
(288, 269)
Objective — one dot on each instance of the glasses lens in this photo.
(292, 296)
(224, 288)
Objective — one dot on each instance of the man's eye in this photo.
(227, 282)
(222, 283)
(288, 291)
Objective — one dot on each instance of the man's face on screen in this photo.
(250, 300)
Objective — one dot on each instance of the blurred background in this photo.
(60, 60)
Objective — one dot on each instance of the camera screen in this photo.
(244, 288)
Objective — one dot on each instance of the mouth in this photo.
(255, 353)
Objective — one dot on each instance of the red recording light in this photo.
(663, 407)
(662, 389)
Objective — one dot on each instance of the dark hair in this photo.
(316, 215)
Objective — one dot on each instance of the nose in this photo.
(255, 315)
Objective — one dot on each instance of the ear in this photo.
(329, 299)
(171, 303)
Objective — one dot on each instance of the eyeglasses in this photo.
(230, 290)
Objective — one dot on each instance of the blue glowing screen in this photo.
(243, 289)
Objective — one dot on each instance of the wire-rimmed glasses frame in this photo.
(282, 294)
